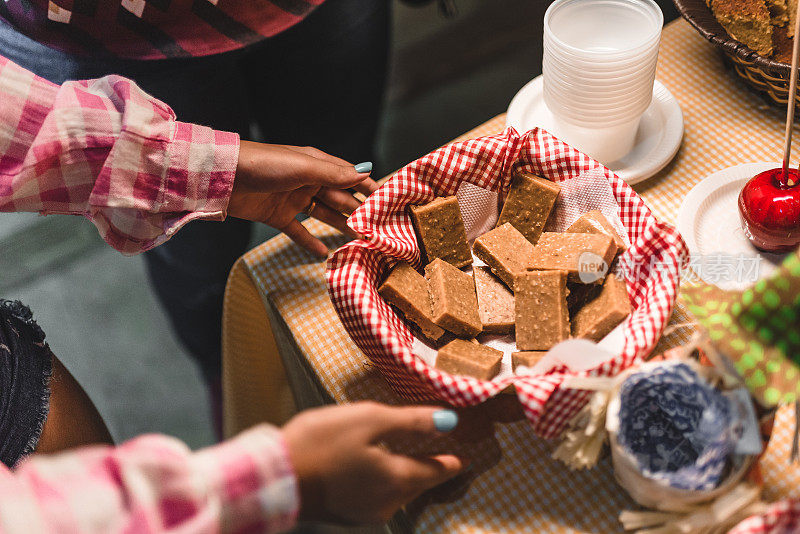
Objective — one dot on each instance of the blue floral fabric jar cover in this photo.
(678, 428)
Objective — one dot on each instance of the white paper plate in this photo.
(657, 140)
(710, 225)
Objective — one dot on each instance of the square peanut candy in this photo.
(578, 254)
(594, 222)
(495, 302)
(595, 319)
(527, 358)
(528, 204)
(460, 357)
(454, 305)
(542, 318)
(580, 294)
(441, 231)
(506, 251)
(407, 290)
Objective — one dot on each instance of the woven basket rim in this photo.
(712, 30)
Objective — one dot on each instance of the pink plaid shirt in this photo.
(154, 484)
(106, 150)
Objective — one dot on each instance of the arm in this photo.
(106, 150)
(153, 484)
(72, 419)
(331, 457)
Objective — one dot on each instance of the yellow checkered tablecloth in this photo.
(514, 486)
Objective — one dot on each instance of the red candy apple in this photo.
(769, 205)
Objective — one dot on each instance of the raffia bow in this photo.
(583, 440)
(716, 516)
(690, 513)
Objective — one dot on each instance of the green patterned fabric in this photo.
(758, 329)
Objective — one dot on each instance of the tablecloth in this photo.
(513, 485)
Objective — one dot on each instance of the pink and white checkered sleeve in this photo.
(106, 150)
(155, 484)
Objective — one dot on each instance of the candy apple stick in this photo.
(787, 147)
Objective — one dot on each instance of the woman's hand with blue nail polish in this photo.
(445, 420)
(346, 476)
(274, 183)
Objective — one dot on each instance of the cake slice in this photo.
(782, 36)
(747, 21)
(778, 12)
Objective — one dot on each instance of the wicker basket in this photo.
(765, 76)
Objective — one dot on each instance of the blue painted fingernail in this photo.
(366, 166)
(445, 420)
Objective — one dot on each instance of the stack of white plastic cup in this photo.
(599, 65)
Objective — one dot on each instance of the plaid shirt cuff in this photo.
(202, 166)
(197, 183)
(106, 149)
(254, 479)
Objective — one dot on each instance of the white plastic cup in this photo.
(596, 107)
(587, 75)
(593, 110)
(605, 144)
(595, 61)
(599, 66)
(592, 63)
(595, 116)
(587, 91)
(603, 30)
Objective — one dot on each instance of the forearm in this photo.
(106, 150)
(155, 484)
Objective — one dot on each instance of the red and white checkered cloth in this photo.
(653, 263)
(782, 517)
(108, 151)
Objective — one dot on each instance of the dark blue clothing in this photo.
(26, 366)
(318, 84)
